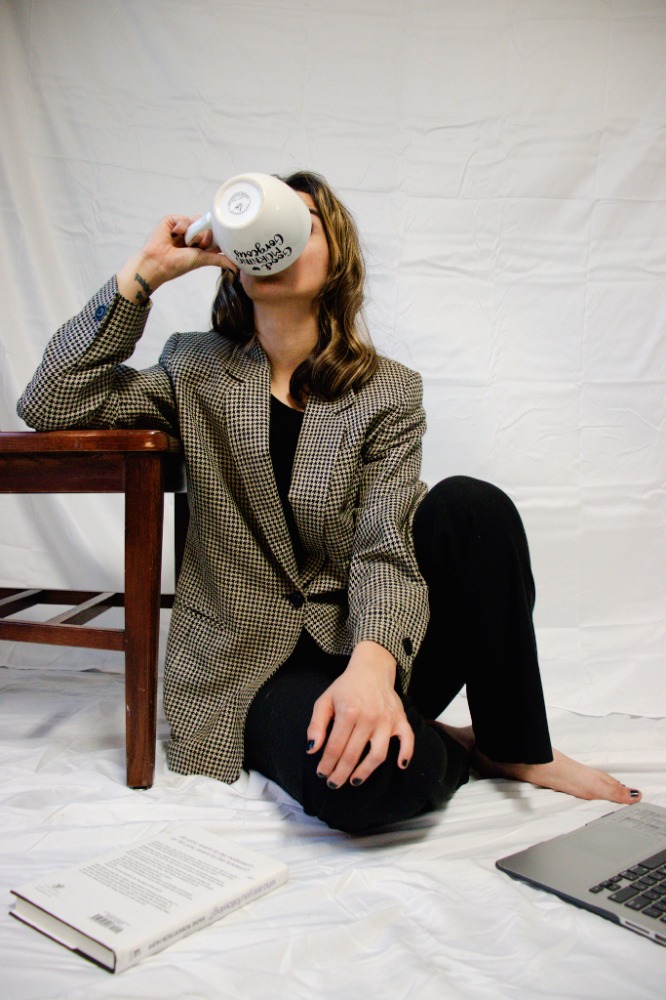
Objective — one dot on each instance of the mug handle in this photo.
(205, 222)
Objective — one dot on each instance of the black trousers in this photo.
(472, 551)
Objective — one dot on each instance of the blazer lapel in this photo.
(321, 436)
(243, 393)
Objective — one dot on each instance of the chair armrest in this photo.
(32, 442)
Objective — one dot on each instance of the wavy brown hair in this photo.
(344, 357)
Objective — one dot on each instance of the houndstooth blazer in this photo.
(241, 599)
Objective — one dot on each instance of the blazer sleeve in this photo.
(82, 381)
(388, 597)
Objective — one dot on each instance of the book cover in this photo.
(124, 906)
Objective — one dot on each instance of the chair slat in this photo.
(18, 601)
(63, 635)
(83, 613)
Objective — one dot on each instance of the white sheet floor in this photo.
(416, 911)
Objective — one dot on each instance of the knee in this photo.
(466, 492)
(393, 794)
(458, 515)
(465, 500)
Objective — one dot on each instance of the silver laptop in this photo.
(614, 866)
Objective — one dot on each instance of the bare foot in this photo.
(562, 774)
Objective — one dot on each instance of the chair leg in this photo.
(144, 514)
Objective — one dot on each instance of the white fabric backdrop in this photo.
(505, 162)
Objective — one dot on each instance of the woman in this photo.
(327, 610)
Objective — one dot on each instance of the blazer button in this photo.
(100, 312)
(407, 646)
(296, 600)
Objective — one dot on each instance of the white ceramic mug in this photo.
(258, 221)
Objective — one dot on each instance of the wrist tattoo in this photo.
(144, 295)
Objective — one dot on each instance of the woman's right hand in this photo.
(165, 256)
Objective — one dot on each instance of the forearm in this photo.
(81, 381)
(388, 598)
(388, 605)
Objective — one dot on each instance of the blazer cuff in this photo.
(107, 305)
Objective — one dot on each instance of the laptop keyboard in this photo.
(641, 887)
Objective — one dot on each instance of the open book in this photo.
(118, 909)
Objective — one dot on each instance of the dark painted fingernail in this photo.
(331, 784)
(194, 245)
(310, 744)
(404, 763)
(320, 775)
(634, 793)
(357, 781)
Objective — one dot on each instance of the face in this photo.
(303, 280)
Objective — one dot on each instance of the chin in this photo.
(260, 279)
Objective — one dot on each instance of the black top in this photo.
(285, 427)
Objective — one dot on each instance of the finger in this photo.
(322, 713)
(206, 258)
(336, 744)
(203, 240)
(364, 751)
(229, 265)
(179, 224)
(405, 735)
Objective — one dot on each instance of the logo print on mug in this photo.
(239, 203)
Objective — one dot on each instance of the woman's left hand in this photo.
(366, 712)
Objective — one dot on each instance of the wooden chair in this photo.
(142, 465)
